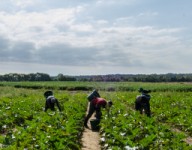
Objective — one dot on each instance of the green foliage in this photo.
(24, 124)
(125, 127)
(102, 86)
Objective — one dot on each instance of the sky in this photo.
(95, 37)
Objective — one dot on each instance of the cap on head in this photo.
(48, 93)
(140, 90)
(110, 103)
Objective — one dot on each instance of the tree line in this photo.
(169, 77)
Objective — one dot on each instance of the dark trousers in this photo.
(141, 104)
(91, 110)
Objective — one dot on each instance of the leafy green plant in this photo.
(25, 125)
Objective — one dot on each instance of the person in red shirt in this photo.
(95, 106)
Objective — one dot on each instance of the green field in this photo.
(103, 86)
(24, 125)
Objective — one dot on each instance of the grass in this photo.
(102, 86)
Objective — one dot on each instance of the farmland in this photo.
(24, 124)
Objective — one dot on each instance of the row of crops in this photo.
(24, 125)
(104, 86)
(167, 129)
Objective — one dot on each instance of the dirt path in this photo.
(90, 139)
(188, 139)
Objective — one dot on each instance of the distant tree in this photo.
(42, 77)
(60, 77)
(1, 77)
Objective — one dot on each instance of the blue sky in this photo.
(89, 37)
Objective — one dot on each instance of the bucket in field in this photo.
(95, 124)
(93, 95)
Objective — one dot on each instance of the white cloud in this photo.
(77, 37)
(82, 28)
(24, 3)
(35, 26)
(115, 2)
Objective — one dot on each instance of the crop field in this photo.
(24, 125)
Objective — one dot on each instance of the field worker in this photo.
(142, 102)
(93, 95)
(51, 101)
(95, 106)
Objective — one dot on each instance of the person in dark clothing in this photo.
(93, 95)
(142, 102)
(51, 101)
(95, 106)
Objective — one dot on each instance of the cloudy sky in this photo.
(89, 37)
